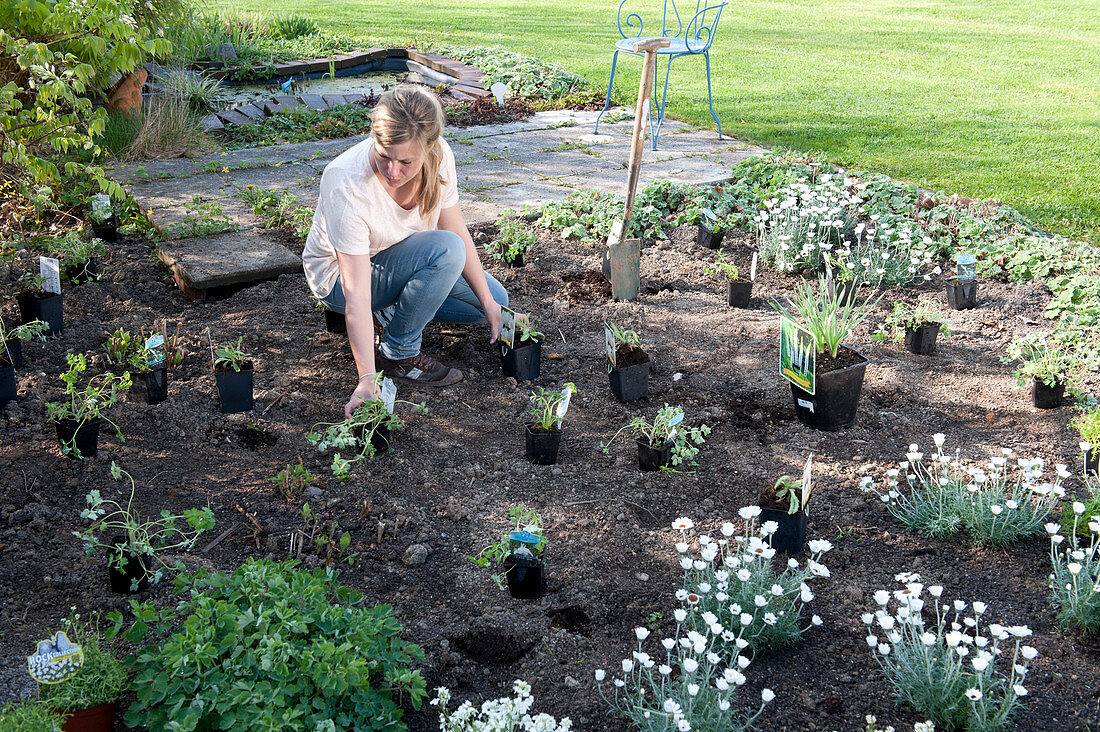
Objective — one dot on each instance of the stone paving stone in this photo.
(171, 191)
(177, 220)
(251, 110)
(314, 102)
(221, 260)
(291, 178)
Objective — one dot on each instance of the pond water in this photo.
(378, 82)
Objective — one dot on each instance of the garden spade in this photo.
(625, 255)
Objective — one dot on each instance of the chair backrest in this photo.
(698, 30)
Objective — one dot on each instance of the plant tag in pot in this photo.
(101, 207)
(520, 541)
(155, 346)
(709, 215)
(55, 659)
(609, 344)
(752, 270)
(499, 90)
(563, 405)
(389, 394)
(507, 326)
(968, 267)
(807, 488)
(50, 270)
(797, 355)
(672, 424)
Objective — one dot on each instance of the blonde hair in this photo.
(411, 112)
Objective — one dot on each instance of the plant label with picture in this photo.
(609, 344)
(524, 542)
(797, 355)
(55, 659)
(50, 270)
(152, 344)
(507, 326)
(752, 270)
(389, 394)
(968, 267)
(709, 215)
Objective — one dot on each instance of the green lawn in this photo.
(986, 98)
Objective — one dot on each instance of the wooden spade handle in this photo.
(648, 46)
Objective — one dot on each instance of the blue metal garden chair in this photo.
(690, 39)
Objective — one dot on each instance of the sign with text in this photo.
(507, 326)
(50, 270)
(55, 659)
(797, 355)
(609, 344)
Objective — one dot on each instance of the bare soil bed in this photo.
(453, 474)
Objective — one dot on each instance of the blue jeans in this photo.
(417, 280)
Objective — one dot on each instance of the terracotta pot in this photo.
(93, 719)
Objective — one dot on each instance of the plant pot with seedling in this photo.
(80, 411)
(37, 303)
(918, 327)
(368, 432)
(521, 553)
(149, 369)
(826, 378)
(233, 374)
(1043, 366)
(738, 290)
(542, 437)
(962, 292)
(11, 354)
(79, 259)
(135, 544)
(103, 218)
(628, 365)
(786, 504)
(710, 232)
(1087, 425)
(520, 346)
(86, 698)
(512, 241)
(666, 443)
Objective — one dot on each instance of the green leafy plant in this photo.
(724, 267)
(668, 425)
(101, 678)
(230, 356)
(72, 251)
(905, 318)
(525, 76)
(82, 403)
(120, 347)
(327, 541)
(267, 647)
(526, 330)
(280, 210)
(823, 314)
(522, 519)
(1040, 359)
(544, 407)
(202, 218)
(144, 537)
(292, 480)
(293, 26)
(25, 332)
(512, 241)
(31, 715)
(1087, 424)
(300, 125)
(791, 490)
(624, 337)
(200, 93)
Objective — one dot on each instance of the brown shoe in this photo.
(420, 369)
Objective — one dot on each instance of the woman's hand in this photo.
(492, 315)
(366, 390)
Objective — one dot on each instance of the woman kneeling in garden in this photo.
(388, 238)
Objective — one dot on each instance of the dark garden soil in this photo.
(627, 356)
(451, 476)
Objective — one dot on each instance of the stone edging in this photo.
(466, 82)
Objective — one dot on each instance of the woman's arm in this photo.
(450, 219)
(355, 280)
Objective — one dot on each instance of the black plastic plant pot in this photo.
(78, 439)
(335, 322)
(836, 399)
(962, 294)
(1092, 460)
(631, 382)
(136, 568)
(523, 363)
(41, 306)
(738, 293)
(525, 576)
(106, 230)
(791, 535)
(15, 350)
(8, 392)
(380, 439)
(709, 238)
(922, 339)
(1047, 397)
(516, 262)
(152, 386)
(542, 447)
(82, 272)
(235, 388)
(653, 458)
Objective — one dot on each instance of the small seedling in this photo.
(523, 519)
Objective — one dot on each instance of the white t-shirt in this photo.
(355, 215)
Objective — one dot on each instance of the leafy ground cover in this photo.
(991, 98)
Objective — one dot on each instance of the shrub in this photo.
(271, 647)
(947, 670)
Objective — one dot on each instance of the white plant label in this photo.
(507, 326)
(389, 394)
(807, 487)
(101, 206)
(967, 267)
(609, 344)
(709, 214)
(563, 405)
(806, 404)
(55, 659)
(752, 270)
(50, 269)
(499, 90)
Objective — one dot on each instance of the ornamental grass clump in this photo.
(996, 504)
(506, 714)
(942, 661)
(733, 581)
(1075, 572)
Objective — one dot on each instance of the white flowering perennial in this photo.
(948, 669)
(998, 503)
(872, 726)
(733, 585)
(507, 714)
(804, 228)
(1075, 571)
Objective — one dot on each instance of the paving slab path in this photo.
(212, 238)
